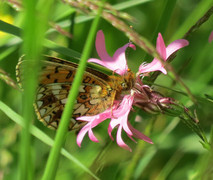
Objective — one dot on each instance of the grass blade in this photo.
(34, 27)
(198, 12)
(53, 159)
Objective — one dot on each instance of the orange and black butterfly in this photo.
(96, 93)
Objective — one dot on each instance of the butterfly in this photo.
(97, 91)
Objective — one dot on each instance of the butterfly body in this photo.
(96, 93)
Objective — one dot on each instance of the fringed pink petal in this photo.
(117, 63)
(101, 47)
(155, 65)
(124, 123)
(85, 118)
(164, 52)
(97, 61)
(139, 135)
(110, 132)
(92, 136)
(93, 121)
(175, 46)
(160, 46)
(113, 123)
(119, 58)
(82, 133)
(120, 141)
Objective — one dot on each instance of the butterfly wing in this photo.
(95, 93)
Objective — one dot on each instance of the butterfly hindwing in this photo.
(55, 81)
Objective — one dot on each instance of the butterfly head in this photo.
(123, 84)
(128, 81)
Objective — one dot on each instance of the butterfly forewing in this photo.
(95, 92)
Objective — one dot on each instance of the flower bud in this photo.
(171, 107)
(154, 102)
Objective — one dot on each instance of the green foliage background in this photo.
(176, 153)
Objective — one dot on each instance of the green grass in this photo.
(177, 152)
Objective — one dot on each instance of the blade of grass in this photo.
(61, 50)
(42, 136)
(34, 27)
(25, 158)
(150, 153)
(53, 159)
(11, 29)
(170, 165)
(81, 19)
(198, 12)
(59, 16)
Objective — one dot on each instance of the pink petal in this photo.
(211, 37)
(126, 127)
(97, 119)
(85, 118)
(92, 136)
(92, 122)
(122, 120)
(119, 58)
(155, 65)
(110, 132)
(125, 106)
(113, 123)
(120, 141)
(175, 45)
(132, 46)
(164, 52)
(100, 46)
(97, 61)
(139, 135)
(117, 63)
(81, 134)
(160, 46)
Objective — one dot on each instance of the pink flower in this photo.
(118, 62)
(93, 121)
(121, 121)
(119, 118)
(120, 110)
(164, 52)
(211, 37)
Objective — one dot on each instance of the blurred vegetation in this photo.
(177, 152)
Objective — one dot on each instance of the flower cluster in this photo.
(121, 109)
